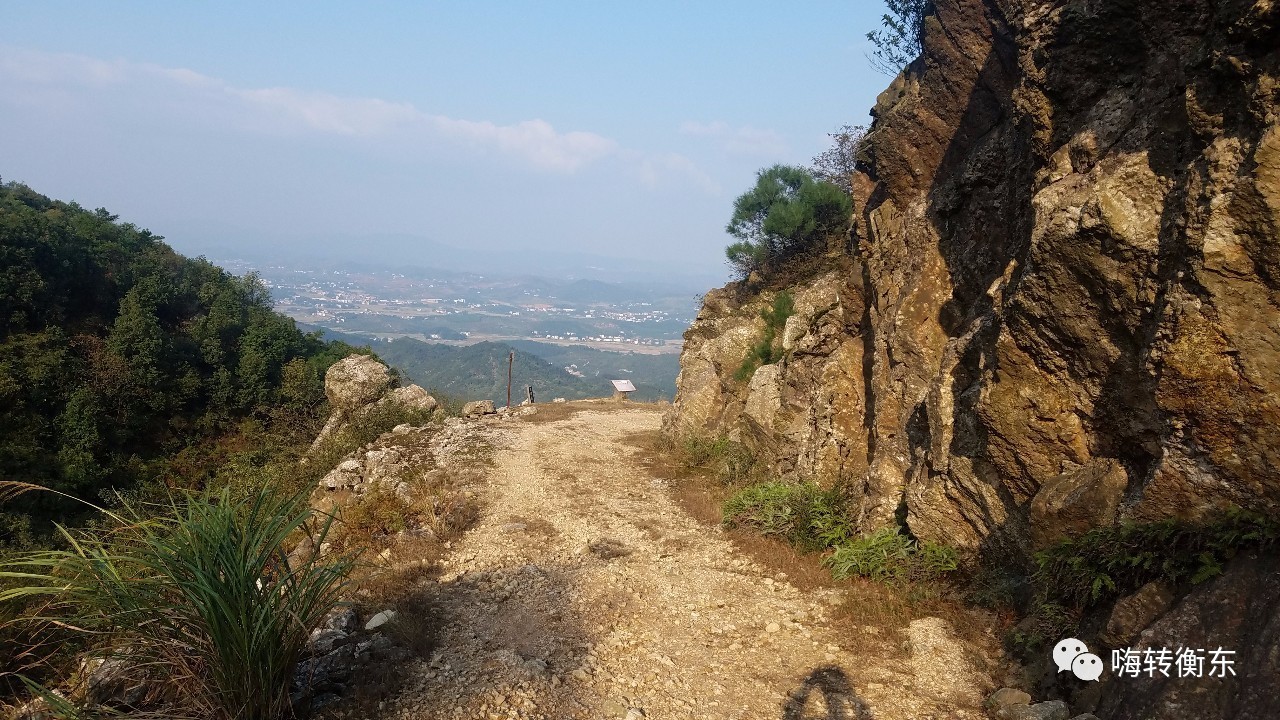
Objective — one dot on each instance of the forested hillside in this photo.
(654, 375)
(123, 362)
(477, 372)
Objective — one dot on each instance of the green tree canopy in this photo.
(788, 213)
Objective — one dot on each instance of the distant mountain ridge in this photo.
(479, 371)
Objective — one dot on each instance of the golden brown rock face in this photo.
(1062, 303)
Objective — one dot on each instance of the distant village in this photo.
(465, 307)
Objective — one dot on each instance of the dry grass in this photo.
(868, 609)
(553, 412)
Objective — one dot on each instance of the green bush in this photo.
(1112, 561)
(1077, 576)
(200, 588)
(800, 513)
(889, 556)
(766, 350)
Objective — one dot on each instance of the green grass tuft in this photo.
(891, 557)
(800, 513)
(200, 589)
(766, 350)
(815, 520)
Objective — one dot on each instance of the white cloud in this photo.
(288, 110)
(536, 140)
(744, 140)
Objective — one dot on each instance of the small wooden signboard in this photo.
(621, 388)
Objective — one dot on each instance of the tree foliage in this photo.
(789, 212)
(118, 355)
(899, 41)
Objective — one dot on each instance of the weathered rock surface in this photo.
(1237, 612)
(351, 385)
(355, 381)
(1135, 612)
(414, 398)
(355, 385)
(478, 407)
(1051, 710)
(1007, 697)
(1058, 308)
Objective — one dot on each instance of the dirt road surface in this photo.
(587, 592)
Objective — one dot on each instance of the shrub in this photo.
(901, 38)
(838, 163)
(1076, 576)
(201, 588)
(788, 213)
(889, 556)
(800, 513)
(1112, 561)
(730, 461)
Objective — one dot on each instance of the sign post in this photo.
(511, 361)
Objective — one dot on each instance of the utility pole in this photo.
(511, 361)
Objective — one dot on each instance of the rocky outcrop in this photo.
(1238, 613)
(358, 383)
(355, 381)
(1058, 308)
(413, 397)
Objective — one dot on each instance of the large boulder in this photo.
(355, 381)
(351, 384)
(1077, 501)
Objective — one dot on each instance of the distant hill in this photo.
(479, 371)
(654, 375)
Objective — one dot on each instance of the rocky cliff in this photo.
(1057, 309)
(1058, 306)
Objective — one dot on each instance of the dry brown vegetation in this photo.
(868, 607)
(553, 412)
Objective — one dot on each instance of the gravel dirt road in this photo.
(586, 591)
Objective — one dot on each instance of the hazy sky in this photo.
(617, 129)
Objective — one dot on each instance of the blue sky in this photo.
(354, 130)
